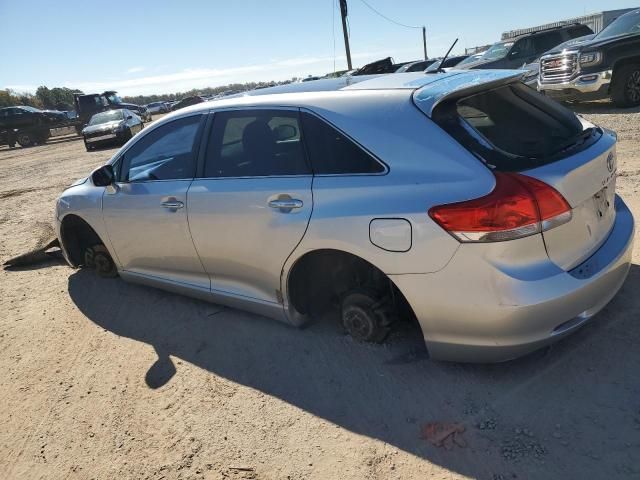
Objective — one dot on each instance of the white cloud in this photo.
(278, 69)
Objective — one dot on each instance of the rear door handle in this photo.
(285, 203)
(293, 203)
(172, 204)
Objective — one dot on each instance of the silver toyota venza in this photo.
(463, 199)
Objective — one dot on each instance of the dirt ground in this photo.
(104, 380)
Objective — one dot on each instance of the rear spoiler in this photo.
(430, 96)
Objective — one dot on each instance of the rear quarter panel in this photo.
(425, 168)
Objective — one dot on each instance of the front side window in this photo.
(332, 153)
(255, 143)
(523, 48)
(166, 153)
(497, 51)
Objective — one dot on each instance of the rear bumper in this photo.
(477, 310)
(591, 86)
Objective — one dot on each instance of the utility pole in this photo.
(424, 41)
(343, 13)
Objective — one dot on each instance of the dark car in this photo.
(111, 127)
(519, 51)
(448, 63)
(417, 66)
(606, 65)
(140, 110)
(385, 65)
(187, 102)
(28, 125)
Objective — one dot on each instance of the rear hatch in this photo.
(512, 128)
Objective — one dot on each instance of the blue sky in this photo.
(143, 47)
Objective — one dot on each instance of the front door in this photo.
(253, 204)
(146, 213)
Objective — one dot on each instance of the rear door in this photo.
(252, 204)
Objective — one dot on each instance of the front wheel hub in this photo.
(359, 322)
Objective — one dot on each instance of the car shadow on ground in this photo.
(600, 107)
(576, 402)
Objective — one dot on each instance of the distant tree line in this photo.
(58, 98)
(61, 98)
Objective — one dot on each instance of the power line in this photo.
(387, 18)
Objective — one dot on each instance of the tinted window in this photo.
(547, 41)
(255, 143)
(511, 127)
(167, 153)
(523, 48)
(331, 152)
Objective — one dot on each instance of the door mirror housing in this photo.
(104, 176)
(129, 117)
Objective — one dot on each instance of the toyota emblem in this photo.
(610, 162)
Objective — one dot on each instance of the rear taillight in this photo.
(517, 207)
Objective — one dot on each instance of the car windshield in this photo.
(497, 51)
(105, 117)
(471, 59)
(434, 66)
(113, 98)
(624, 25)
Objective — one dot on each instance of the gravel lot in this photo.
(101, 379)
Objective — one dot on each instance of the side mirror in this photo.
(104, 176)
(129, 117)
(285, 132)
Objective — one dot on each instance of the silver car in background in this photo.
(464, 199)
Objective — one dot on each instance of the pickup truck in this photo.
(28, 125)
(606, 65)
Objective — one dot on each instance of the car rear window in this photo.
(512, 127)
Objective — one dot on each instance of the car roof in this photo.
(543, 31)
(435, 87)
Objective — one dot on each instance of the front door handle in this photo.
(285, 203)
(172, 204)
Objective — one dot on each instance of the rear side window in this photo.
(166, 153)
(547, 41)
(332, 153)
(512, 127)
(255, 143)
(579, 31)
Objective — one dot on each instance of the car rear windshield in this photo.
(513, 127)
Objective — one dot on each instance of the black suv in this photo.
(519, 51)
(606, 65)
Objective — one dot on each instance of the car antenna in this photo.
(440, 69)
